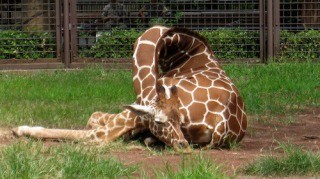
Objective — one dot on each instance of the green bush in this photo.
(24, 45)
(115, 44)
(303, 45)
(227, 44)
(233, 43)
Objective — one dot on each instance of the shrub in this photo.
(24, 45)
(115, 44)
(227, 43)
(303, 45)
(233, 43)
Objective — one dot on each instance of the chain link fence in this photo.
(299, 30)
(231, 27)
(67, 33)
(28, 31)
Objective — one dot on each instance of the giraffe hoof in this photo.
(187, 151)
(16, 132)
(184, 151)
(19, 131)
(182, 147)
(150, 141)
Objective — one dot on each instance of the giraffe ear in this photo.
(160, 89)
(174, 90)
(139, 110)
(174, 93)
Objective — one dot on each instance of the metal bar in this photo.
(270, 28)
(31, 66)
(276, 34)
(66, 33)
(29, 61)
(73, 22)
(262, 30)
(224, 12)
(126, 66)
(58, 28)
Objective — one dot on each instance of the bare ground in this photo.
(262, 139)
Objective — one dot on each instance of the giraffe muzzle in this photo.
(182, 146)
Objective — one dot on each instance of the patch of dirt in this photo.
(261, 140)
(6, 137)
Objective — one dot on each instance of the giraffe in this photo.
(183, 97)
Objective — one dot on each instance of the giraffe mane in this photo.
(189, 32)
(169, 62)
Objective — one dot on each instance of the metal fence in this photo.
(70, 33)
(30, 32)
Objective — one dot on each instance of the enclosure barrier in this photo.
(70, 33)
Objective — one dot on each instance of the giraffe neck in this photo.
(145, 65)
(182, 51)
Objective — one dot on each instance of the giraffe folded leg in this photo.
(113, 126)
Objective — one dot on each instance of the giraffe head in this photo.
(165, 117)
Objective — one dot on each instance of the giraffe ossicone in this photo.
(183, 97)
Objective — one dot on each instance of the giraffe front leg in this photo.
(25, 130)
(115, 126)
(118, 125)
(102, 134)
(55, 134)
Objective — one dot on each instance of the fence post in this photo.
(276, 34)
(73, 30)
(58, 28)
(273, 21)
(262, 30)
(66, 33)
(270, 29)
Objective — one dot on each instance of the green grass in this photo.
(68, 98)
(277, 88)
(295, 161)
(62, 98)
(193, 167)
(33, 160)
